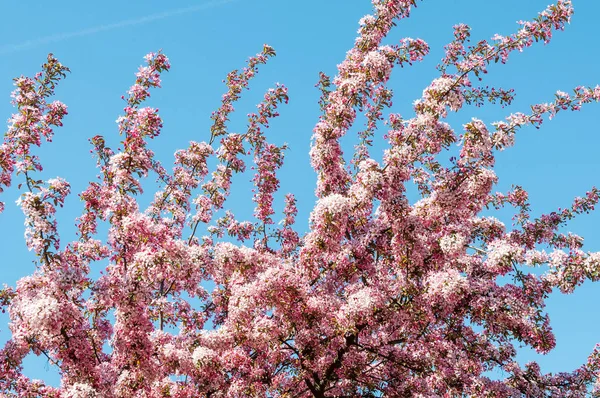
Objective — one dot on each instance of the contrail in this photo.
(10, 48)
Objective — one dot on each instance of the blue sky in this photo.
(103, 43)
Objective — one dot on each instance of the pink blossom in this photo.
(81, 390)
(446, 283)
(382, 295)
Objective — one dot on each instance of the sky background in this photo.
(103, 44)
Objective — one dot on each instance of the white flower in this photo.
(360, 303)
(446, 92)
(452, 244)
(80, 390)
(501, 254)
(445, 283)
(377, 64)
(203, 355)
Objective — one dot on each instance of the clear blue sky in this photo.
(103, 43)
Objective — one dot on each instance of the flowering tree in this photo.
(380, 298)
